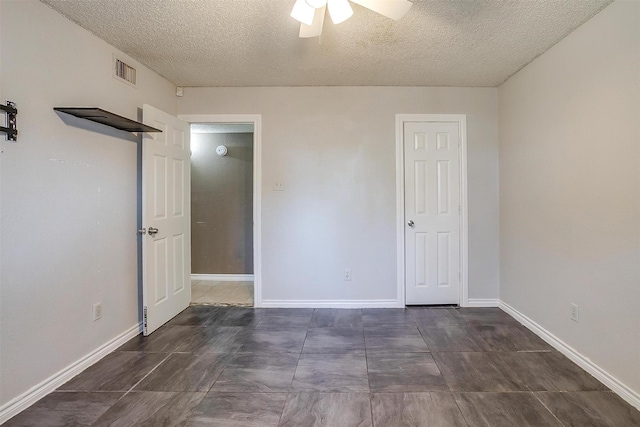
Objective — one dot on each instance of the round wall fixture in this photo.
(221, 150)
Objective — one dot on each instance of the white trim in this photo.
(223, 277)
(461, 119)
(256, 119)
(330, 304)
(31, 396)
(481, 302)
(617, 386)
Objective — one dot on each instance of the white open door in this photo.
(166, 216)
(432, 212)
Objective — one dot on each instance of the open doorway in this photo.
(222, 208)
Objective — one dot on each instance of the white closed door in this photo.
(166, 216)
(432, 212)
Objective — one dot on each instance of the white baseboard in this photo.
(223, 277)
(31, 396)
(617, 386)
(329, 304)
(477, 302)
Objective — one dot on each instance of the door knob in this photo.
(153, 231)
(410, 224)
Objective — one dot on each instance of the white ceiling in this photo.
(255, 42)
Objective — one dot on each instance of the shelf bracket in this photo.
(12, 128)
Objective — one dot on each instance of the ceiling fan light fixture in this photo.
(302, 12)
(339, 10)
(316, 4)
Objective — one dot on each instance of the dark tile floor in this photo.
(244, 367)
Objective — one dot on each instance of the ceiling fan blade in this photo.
(339, 10)
(394, 9)
(302, 12)
(315, 29)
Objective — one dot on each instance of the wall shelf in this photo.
(101, 116)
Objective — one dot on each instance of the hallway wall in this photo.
(222, 204)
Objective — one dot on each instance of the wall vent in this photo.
(124, 72)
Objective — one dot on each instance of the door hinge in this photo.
(459, 210)
(459, 277)
(144, 320)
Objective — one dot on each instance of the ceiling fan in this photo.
(310, 13)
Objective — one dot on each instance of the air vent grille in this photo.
(124, 71)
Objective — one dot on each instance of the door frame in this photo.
(461, 120)
(256, 119)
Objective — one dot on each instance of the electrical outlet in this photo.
(347, 274)
(97, 311)
(278, 186)
(574, 313)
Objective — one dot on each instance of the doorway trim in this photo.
(461, 120)
(256, 119)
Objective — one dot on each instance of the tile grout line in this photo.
(286, 399)
(545, 407)
(284, 407)
(148, 373)
(366, 361)
(460, 409)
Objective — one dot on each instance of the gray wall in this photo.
(222, 204)
(334, 149)
(69, 196)
(570, 190)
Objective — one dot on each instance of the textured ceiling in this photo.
(255, 42)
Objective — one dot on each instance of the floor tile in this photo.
(551, 371)
(452, 338)
(238, 410)
(437, 317)
(396, 339)
(61, 409)
(198, 315)
(255, 372)
(185, 372)
(331, 372)
(404, 372)
(221, 292)
(469, 371)
(504, 410)
(485, 316)
(216, 339)
(275, 340)
(272, 319)
(118, 371)
(336, 318)
(580, 409)
(294, 312)
(240, 316)
(327, 409)
(387, 317)
(510, 337)
(150, 408)
(333, 340)
(164, 340)
(416, 409)
(198, 292)
(252, 360)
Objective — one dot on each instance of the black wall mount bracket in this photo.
(11, 130)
